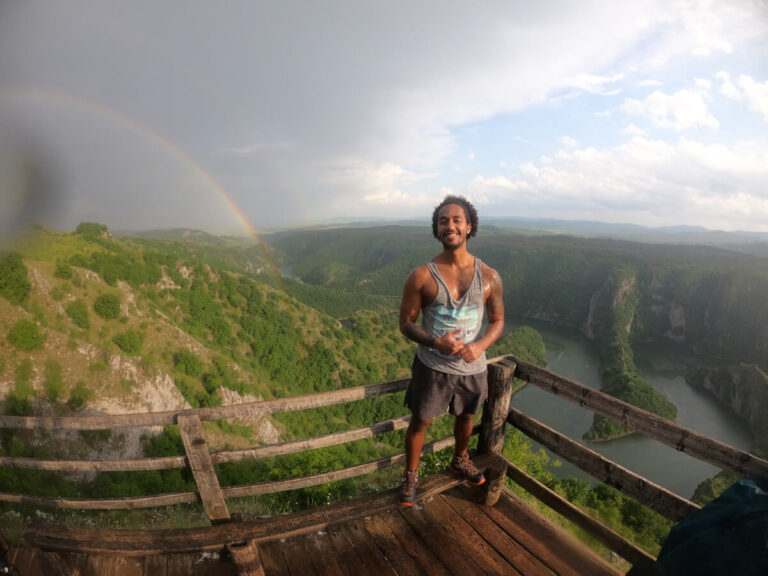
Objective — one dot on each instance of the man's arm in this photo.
(494, 307)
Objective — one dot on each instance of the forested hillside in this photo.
(91, 323)
(616, 292)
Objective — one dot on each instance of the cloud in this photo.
(595, 84)
(679, 111)
(568, 141)
(727, 87)
(644, 181)
(632, 130)
(756, 93)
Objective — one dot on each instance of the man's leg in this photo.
(462, 431)
(414, 442)
(461, 464)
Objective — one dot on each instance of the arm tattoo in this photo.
(495, 304)
(418, 334)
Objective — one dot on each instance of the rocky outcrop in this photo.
(742, 387)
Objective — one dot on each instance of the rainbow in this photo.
(142, 129)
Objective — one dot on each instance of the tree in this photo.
(78, 312)
(129, 342)
(14, 285)
(107, 306)
(25, 335)
(92, 230)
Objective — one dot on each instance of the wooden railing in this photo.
(496, 415)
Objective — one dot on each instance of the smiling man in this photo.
(449, 373)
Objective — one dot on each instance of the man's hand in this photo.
(449, 343)
(471, 352)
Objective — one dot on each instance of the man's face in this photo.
(452, 226)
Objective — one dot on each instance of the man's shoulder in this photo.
(487, 270)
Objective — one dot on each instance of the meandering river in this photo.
(571, 354)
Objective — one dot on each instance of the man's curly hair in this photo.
(469, 212)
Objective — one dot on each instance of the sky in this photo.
(250, 116)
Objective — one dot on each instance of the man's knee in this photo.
(417, 425)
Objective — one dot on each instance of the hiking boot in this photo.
(408, 490)
(463, 465)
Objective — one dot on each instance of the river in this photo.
(571, 354)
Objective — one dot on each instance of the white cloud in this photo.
(632, 130)
(756, 93)
(727, 87)
(595, 84)
(703, 83)
(679, 111)
(568, 141)
(644, 181)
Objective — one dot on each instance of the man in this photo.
(449, 371)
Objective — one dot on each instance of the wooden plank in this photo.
(452, 553)
(142, 542)
(202, 467)
(296, 558)
(393, 550)
(180, 565)
(515, 554)
(333, 476)
(217, 457)
(102, 503)
(311, 443)
(549, 543)
(163, 463)
(682, 439)
(273, 560)
(373, 558)
(633, 485)
(346, 556)
(427, 562)
(613, 540)
(322, 554)
(494, 420)
(156, 564)
(166, 418)
(457, 526)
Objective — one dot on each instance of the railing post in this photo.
(202, 467)
(495, 411)
(246, 557)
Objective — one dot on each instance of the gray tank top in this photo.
(444, 314)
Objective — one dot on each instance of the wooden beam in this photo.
(167, 418)
(245, 556)
(202, 467)
(262, 530)
(229, 492)
(312, 443)
(494, 419)
(682, 439)
(611, 539)
(652, 495)
(217, 457)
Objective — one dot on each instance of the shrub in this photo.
(63, 270)
(92, 230)
(53, 383)
(25, 335)
(14, 285)
(80, 396)
(78, 312)
(129, 342)
(187, 362)
(107, 306)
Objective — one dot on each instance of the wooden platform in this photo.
(445, 533)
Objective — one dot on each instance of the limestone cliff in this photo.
(742, 387)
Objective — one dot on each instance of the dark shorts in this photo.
(431, 393)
